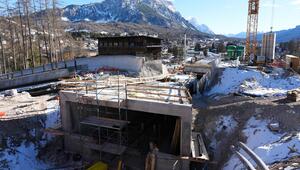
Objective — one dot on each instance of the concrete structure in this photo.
(35, 78)
(59, 70)
(293, 62)
(268, 46)
(205, 70)
(145, 113)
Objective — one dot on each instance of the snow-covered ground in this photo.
(24, 155)
(268, 145)
(225, 124)
(231, 63)
(254, 82)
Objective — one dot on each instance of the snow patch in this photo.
(65, 19)
(269, 146)
(254, 82)
(225, 124)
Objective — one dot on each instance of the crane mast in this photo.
(252, 25)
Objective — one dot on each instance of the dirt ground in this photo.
(241, 109)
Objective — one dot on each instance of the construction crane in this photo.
(272, 16)
(252, 25)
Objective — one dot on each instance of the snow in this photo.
(168, 4)
(228, 122)
(181, 78)
(24, 156)
(53, 115)
(254, 82)
(225, 124)
(269, 146)
(64, 19)
(225, 64)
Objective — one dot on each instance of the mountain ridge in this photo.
(200, 27)
(282, 35)
(153, 12)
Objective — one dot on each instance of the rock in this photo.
(12, 92)
(26, 94)
(274, 127)
(19, 112)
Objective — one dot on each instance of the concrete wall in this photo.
(58, 70)
(130, 63)
(207, 79)
(34, 78)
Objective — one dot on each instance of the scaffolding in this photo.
(111, 132)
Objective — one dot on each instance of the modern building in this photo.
(268, 46)
(233, 52)
(144, 46)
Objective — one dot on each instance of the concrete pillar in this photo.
(65, 112)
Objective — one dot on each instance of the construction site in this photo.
(135, 107)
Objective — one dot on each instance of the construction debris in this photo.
(22, 105)
(294, 95)
(274, 127)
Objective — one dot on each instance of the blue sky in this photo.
(230, 16)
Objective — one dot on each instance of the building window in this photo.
(116, 44)
(131, 44)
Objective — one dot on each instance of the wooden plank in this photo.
(155, 99)
(176, 135)
(105, 123)
(159, 94)
(159, 87)
(198, 147)
(107, 148)
(54, 132)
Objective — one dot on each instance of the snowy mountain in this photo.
(200, 27)
(153, 12)
(282, 36)
(238, 35)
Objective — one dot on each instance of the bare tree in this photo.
(26, 8)
(9, 18)
(23, 34)
(3, 56)
(37, 33)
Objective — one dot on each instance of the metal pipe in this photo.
(257, 159)
(245, 161)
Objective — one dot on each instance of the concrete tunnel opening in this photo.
(142, 129)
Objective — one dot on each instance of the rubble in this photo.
(294, 95)
(22, 105)
(12, 92)
(274, 127)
